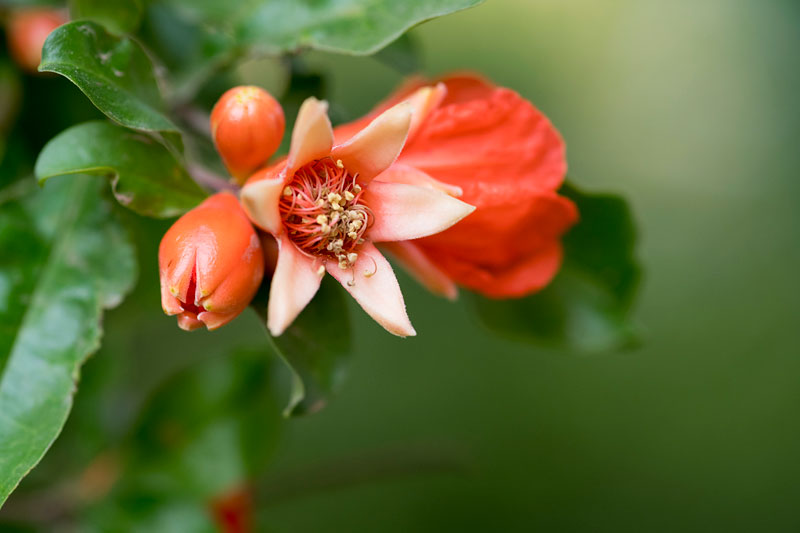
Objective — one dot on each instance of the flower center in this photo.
(322, 211)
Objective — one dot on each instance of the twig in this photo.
(211, 180)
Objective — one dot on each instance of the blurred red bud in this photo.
(27, 31)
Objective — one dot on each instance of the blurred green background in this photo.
(690, 110)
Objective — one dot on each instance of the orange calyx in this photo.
(322, 211)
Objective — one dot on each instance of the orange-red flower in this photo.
(325, 209)
(211, 264)
(496, 151)
(247, 125)
(27, 31)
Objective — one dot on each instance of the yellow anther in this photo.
(335, 206)
(357, 188)
(351, 257)
(349, 196)
(353, 235)
(322, 220)
(287, 191)
(339, 163)
(325, 229)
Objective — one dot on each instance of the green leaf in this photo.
(119, 16)
(145, 176)
(345, 26)
(113, 72)
(587, 306)
(316, 348)
(70, 260)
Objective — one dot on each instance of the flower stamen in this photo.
(321, 209)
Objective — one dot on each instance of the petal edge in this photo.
(371, 281)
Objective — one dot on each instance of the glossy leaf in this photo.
(344, 26)
(119, 16)
(113, 72)
(587, 306)
(316, 348)
(145, 176)
(73, 261)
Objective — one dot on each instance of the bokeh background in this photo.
(690, 110)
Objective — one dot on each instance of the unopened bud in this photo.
(210, 264)
(247, 126)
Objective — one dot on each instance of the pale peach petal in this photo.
(371, 281)
(404, 212)
(400, 173)
(423, 101)
(260, 201)
(312, 137)
(412, 258)
(295, 282)
(375, 148)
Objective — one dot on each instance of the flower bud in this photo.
(210, 263)
(27, 30)
(247, 125)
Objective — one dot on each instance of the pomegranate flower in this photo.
(210, 264)
(325, 209)
(499, 153)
